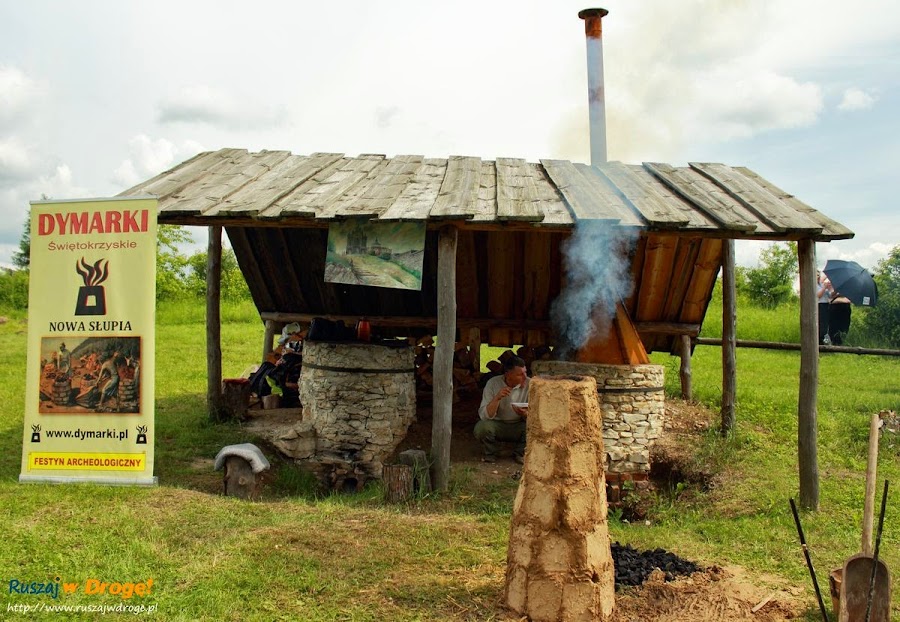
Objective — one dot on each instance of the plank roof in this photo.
(233, 187)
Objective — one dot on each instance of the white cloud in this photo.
(204, 105)
(856, 99)
(17, 93)
(148, 157)
(17, 161)
(867, 256)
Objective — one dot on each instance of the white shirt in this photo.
(504, 410)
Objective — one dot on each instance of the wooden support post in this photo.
(268, 337)
(442, 417)
(213, 324)
(807, 427)
(686, 390)
(474, 343)
(729, 337)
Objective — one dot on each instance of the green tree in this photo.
(882, 322)
(234, 286)
(771, 284)
(22, 258)
(171, 263)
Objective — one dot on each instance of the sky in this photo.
(96, 96)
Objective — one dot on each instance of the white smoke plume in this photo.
(596, 260)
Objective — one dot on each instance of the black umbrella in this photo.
(852, 281)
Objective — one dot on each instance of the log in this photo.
(213, 324)
(667, 328)
(398, 482)
(240, 480)
(443, 357)
(235, 398)
(729, 364)
(685, 372)
(418, 460)
(807, 426)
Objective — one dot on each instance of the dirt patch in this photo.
(714, 595)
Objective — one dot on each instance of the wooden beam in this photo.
(213, 324)
(807, 427)
(778, 345)
(685, 372)
(668, 328)
(729, 365)
(442, 416)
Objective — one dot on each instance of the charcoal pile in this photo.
(633, 566)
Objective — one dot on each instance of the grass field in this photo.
(296, 556)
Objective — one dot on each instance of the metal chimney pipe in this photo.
(593, 31)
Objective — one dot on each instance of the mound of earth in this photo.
(711, 595)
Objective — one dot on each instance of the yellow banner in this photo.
(80, 461)
(89, 408)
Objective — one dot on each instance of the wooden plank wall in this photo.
(506, 275)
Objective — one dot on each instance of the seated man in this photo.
(499, 420)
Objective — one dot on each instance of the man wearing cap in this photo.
(499, 419)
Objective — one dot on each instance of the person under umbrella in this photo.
(851, 284)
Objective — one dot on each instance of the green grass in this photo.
(299, 556)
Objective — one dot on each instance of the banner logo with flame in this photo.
(92, 295)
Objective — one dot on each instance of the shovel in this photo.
(859, 569)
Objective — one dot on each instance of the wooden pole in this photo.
(807, 427)
(213, 324)
(686, 390)
(729, 365)
(474, 343)
(443, 357)
(268, 336)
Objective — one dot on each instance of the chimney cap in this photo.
(586, 13)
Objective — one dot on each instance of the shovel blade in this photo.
(855, 590)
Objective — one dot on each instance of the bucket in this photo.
(834, 585)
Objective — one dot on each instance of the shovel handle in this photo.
(871, 594)
(871, 469)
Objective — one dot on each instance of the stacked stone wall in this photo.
(633, 403)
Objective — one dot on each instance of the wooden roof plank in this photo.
(417, 199)
(831, 229)
(552, 206)
(378, 191)
(178, 178)
(643, 196)
(611, 196)
(580, 195)
(205, 194)
(516, 192)
(292, 204)
(780, 216)
(282, 179)
(459, 190)
(696, 219)
(201, 161)
(486, 204)
(343, 187)
(705, 195)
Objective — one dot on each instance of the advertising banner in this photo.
(89, 406)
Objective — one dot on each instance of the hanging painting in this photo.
(361, 252)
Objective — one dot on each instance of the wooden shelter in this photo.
(495, 230)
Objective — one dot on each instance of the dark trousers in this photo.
(491, 433)
(839, 322)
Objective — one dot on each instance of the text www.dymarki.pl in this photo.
(83, 435)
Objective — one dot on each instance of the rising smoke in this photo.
(596, 259)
